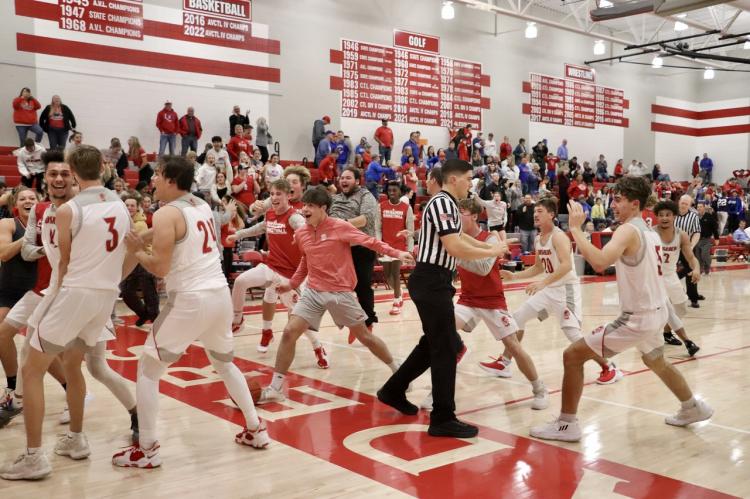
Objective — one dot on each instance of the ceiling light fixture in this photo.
(531, 30)
(599, 47)
(448, 12)
(680, 26)
(708, 74)
(605, 4)
(657, 62)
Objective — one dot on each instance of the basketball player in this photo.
(482, 298)
(185, 254)
(635, 251)
(281, 221)
(298, 177)
(395, 217)
(72, 315)
(325, 244)
(674, 240)
(40, 245)
(558, 293)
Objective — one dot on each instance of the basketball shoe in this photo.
(322, 356)
(541, 399)
(396, 308)
(136, 456)
(268, 395)
(237, 324)
(257, 438)
(700, 411)
(73, 445)
(557, 429)
(265, 340)
(609, 375)
(27, 467)
(499, 367)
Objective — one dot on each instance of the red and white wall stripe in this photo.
(685, 129)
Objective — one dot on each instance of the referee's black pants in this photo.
(364, 261)
(431, 289)
(691, 287)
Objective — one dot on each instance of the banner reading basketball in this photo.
(234, 9)
(416, 41)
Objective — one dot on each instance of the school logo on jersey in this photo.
(506, 321)
(566, 314)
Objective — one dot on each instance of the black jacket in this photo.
(709, 225)
(68, 119)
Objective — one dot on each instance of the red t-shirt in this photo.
(237, 145)
(618, 170)
(246, 196)
(482, 291)
(650, 217)
(327, 169)
(385, 135)
(393, 219)
(505, 150)
(552, 163)
(137, 158)
(283, 253)
(227, 230)
(463, 151)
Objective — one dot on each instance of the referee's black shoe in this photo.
(701, 297)
(452, 428)
(401, 404)
(670, 339)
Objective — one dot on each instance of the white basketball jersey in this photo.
(196, 264)
(639, 279)
(100, 223)
(670, 253)
(50, 243)
(550, 262)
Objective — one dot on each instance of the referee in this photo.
(689, 222)
(431, 289)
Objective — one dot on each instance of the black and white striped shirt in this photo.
(689, 222)
(441, 217)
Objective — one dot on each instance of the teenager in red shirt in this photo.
(245, 186)
(239, 143)
(25, 107)
(327, 169)
(384, 137)
(505, 148)
(395, 216)
(618, 169)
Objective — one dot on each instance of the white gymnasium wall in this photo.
(585, 143)
(120, 100)
(676, 152)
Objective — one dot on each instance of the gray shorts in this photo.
(342, 305)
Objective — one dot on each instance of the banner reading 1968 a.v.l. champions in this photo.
(409, 83)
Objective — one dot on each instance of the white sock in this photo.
(267, 324)
(689, 403)
(73, 434)
(147, 394)
(394, 366)
(237, 388)
(568, 418)
(33, 450)
(313, 338)
(537, 385)
(100, 370)
(237, 317)
(277, 383)
(506, 362)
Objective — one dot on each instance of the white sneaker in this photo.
(27, 467)
(137, 457)
(258, 438)
(541, 399)
(558, 430)
(701, 411)
(427, 402)
(73, 445)
(270, 394)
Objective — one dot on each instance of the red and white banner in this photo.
(416, 41)
(121, 18)
(584, 73)
(408, 86)
(231, 9)
(701, 119)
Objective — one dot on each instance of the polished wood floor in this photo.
(334, 440)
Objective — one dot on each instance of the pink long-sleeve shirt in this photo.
(327, 257)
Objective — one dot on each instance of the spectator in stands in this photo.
(319, 133)
(25, 107)
(696, 167)
(384, 138)
(272, 171)
(57, 120)
(146, 308)
(601, 169)
(519, 150)
(539, 152)
(657, 175)
(638, 169)
(709, 235)
(245, 187)
(205, 177)
(534, 179)
(233, 222)
(478, 145)
(325, 146)
(578, 188)
(526, 224)
(190, 129)
(588, 173)
(735, 211)
(166, 122)
(137, 157)
(706, 168)
(346, 151)
(490, 146)
(30, 165)
(363, 154)
(619, 169)
(599, 214)
(262, 137)
(505, 148)
(497, 213)
(544, 190)
(374, 174)
(148, 208)
(586, 207)
(117, 156)
(219, 189)
(562, 150)
(237, 118)
(413, 145)
(552, 162)
(239, 143)
(120, 188)
(75, 140)
(109, 174)
(477, 162)
(327, 171)
(222, 161)
(524, 171)
(563, 185)
(450, 153)
(739, 236)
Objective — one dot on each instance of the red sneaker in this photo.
(237, 326)
(265, 340)
(322, 356)
(497, 368)
(609, 375)
(137, 457)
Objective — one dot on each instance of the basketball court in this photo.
(332, 438)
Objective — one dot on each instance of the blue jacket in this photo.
(414, 149)
(343, 150)
(734, 206)
(375, 171)
(324, 149)
(707, 164)
(431, 162)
